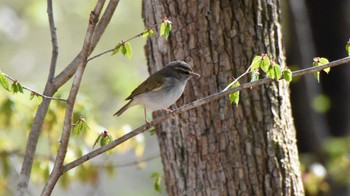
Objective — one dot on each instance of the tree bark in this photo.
(219, 148)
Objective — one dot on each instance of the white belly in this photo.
(161, 99)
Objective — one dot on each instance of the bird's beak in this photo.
(195, 74)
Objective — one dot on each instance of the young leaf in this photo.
(265, 64)
(3, 81)
(234, 97)
(80, 126)
(317, 62)
(165, 28)
(147, 33)
(20, 88)
(274, 72)
(255, 63)
(287, 75)
(14, 87)
(97, 140)
(127, 48)
(157, 181)
(347, 47)
(324, 61)
(117, 49)
(106, 139)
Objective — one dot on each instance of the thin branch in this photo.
(118, 45)
(239, 77)
(41, 112)
(128, 164)
(67, 125)
(189, 106)
(53, 41)
(33, 91)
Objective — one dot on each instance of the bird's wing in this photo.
(151, 83)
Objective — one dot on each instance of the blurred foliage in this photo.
(25, 55)
(335, 169)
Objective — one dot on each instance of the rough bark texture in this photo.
(221, 149)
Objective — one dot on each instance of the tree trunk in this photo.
(219, 148)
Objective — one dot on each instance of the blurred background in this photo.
(321, 110)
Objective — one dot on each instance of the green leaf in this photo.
(97, 140)
(255, 63)
(14, 87)
(165, 28)
(265, 64)
(287, 75)
(234, 97)
(20, 88)
(274, 72)
(324, 61)
(157, 181)
(117, 49)
(80, 126)
(3, 81)
(347, 47)
(127, 47)
(317, 61)
(106, 139)
(147, 33)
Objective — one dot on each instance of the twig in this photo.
(239, 77)
(118, 45)
(128, 164)
(33, 91)
(189, 106)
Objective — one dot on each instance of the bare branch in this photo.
(53, 41)
(41, 112)
(57, 169)
(189, 106)
(33, 91)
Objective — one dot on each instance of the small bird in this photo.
(161, 89)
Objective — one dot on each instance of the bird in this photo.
(161, 89)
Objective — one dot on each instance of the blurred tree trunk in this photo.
(222, 149)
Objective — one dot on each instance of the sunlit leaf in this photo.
(324, 61)
(274, 72)
(117, 49)
(234, 97)
(287, 75)
(255, 63)
(3, 81)
(147, 33)
(127, 47)
(165, 28)
(318, 61)
(265, 64)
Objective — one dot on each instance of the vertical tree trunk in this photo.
(219, 148)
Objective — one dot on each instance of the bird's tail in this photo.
(123, 109)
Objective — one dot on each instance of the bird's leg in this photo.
(148, 124)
